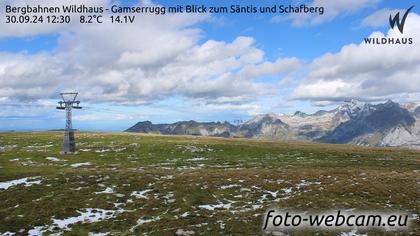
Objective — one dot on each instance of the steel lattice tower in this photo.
(69, 103)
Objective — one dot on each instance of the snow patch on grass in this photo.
(273, 194)
(81, 164)
(54, 159)
(304, 183)
(7, 233)
(212, 207)
(184, 232)
(230, 186)
(27, 182)
(169, 197)
(141, 194)
(185, 214)
(85, 150)
(287, 190)
(119, 149)
(88, 215)
(190, 148)
(98, 234)
(36, 231)
(106, 190)
(102, 150)
(144, 221)
(197, 159)
(352, 233)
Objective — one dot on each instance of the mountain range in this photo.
(386, 124)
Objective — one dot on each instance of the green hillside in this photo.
(129, 184)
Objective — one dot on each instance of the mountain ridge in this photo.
(354, 122)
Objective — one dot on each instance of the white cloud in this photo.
(87, 117)
(103, 117)
(333, 9)
(379, 18)
(12, 109)
(366, 71)
(250, 109)
(153, 59)
(271, 68)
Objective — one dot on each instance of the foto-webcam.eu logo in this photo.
(396, 19)
(393, 21)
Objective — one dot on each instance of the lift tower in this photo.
(69, 103)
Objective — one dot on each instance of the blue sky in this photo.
(202, 67)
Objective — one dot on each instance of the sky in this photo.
(204, 67)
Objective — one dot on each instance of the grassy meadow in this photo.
(134, 184)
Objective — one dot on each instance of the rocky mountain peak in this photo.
(269, 117)
(141, 127)
(300, 114)
(355, 122)
(354, 108)
(417, 111)
(411, 106)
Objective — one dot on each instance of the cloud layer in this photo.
(156, 58)
(380, 18)
(164, 57)
(366, 71)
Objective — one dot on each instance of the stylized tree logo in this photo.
(396, 19)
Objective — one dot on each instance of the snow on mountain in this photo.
(414, 108)
(411, 107)
(354, 108)
(369, 125)
(403, 137)
(354, 122)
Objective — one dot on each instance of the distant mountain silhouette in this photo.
(387, 124)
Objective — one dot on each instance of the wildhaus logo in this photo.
(394, 21)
